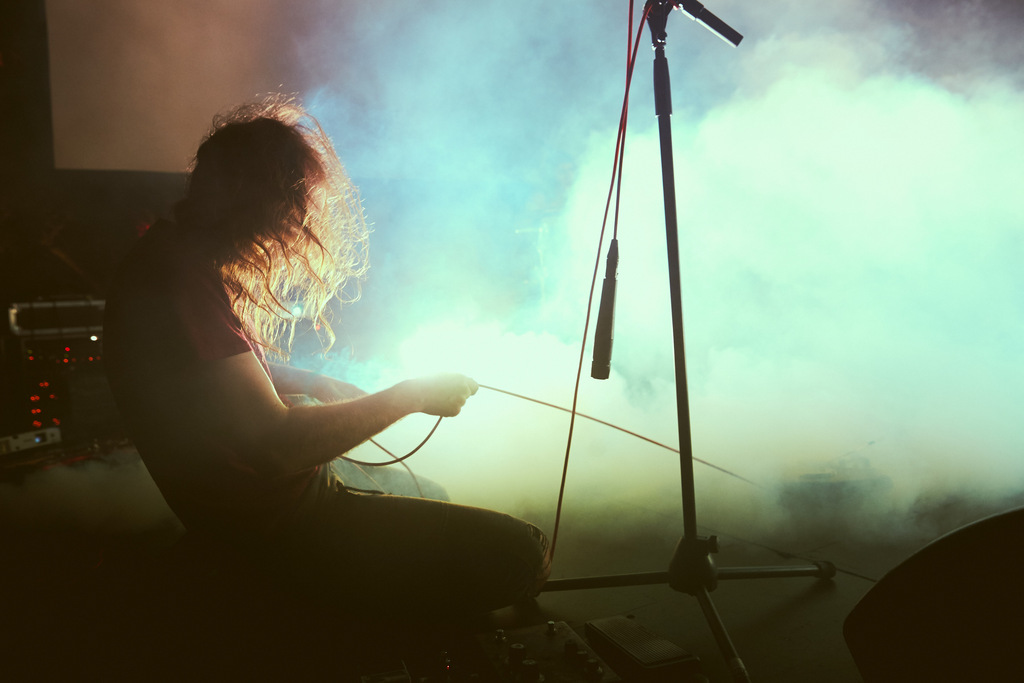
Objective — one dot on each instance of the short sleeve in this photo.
(209, 327)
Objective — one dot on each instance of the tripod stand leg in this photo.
(821, 569)
(732, 657)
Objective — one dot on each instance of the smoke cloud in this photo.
(850, 225)
(109, 496)
(849, 233)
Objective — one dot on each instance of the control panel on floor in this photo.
(548, 653)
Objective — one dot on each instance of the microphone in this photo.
(699, 13)
(601, 366)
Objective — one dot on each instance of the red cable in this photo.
(631, 52)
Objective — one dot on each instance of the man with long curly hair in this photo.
(270, 218)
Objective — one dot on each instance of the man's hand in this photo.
(442, 395)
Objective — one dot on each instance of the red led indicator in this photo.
(37, 423)
(56, 421)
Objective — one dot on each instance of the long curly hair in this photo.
(269, 201)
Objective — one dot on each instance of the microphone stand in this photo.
(692, 569)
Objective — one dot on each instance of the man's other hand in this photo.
(330, 390)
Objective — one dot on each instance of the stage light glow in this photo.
(848, 183)
(846, 210)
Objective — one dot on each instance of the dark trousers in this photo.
(396, 555)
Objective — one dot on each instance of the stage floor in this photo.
(102, 605)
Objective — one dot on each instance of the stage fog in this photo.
(850, 223)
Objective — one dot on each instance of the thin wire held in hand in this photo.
(396, 459)
(621, 429)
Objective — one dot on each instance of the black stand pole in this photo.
(692, 570)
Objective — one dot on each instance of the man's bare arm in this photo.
(240, 405)
(290, 380)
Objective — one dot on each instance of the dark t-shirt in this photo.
(167, 313)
